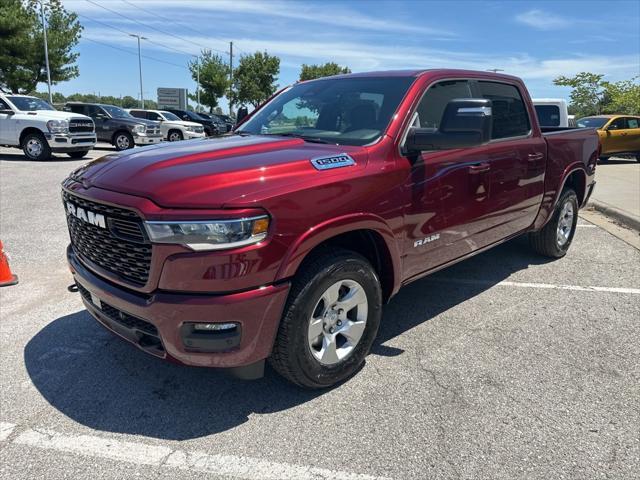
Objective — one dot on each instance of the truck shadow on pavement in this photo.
(105, 384)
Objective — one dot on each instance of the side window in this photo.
(618, 124)
(633, 123)
(77, 109)
(3, 105)
(510, 118)
(94, 110)
(153, 116)
(137, 113)
(435, 100)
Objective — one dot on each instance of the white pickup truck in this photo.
(39, 130)
(552, 112)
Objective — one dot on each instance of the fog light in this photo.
(214, 327)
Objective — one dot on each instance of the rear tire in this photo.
(78, 155)
(330, 321)
(556, 236)
(35, 147)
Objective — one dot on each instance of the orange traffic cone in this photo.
(6, 277)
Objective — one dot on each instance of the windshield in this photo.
(591, 122)
(29, 104)
(116, 112)
(346, 111)
(548, 115)
(170, 116)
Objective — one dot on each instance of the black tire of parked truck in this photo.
(35, 147)
(77, 155)
(320, 344)
(174, 135)
(123, 141)
(555, 238)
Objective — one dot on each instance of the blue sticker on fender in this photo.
(335, 161)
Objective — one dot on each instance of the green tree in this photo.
(214, 78)
(309, 72)
(623, 97)
(22, 60)
(588, 94)
(254, 80)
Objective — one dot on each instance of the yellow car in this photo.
(619, 134)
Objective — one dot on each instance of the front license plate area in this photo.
(96, 301)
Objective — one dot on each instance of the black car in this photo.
(211, 127)
(118, 127)
(222, 123)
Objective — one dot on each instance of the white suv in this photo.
(38, 129)
(171, 126)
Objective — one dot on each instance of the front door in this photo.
(7, 126)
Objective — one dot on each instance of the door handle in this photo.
(479, 168)
(534, 157)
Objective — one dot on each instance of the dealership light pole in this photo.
(140, 64)
(198, 81)
(46, 52)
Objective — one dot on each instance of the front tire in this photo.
(123, 141)
(330, 321)
(555, 238)
(78, 155)
(35, 147)
(175, 136)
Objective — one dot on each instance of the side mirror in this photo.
(101, 116)
(466, 122)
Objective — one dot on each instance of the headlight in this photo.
(191, 129)
(210, 235)
(58, 126)
(139, 128)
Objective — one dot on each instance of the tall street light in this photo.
(46, 52)
(140, 65)
(198, 80)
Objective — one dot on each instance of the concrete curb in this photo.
(626, 219)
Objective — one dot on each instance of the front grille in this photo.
(153, 131)
(198, 129)
(121, 248)
(118, 316)
(77, 125)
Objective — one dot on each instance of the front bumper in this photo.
(147, 140)
(191, 135)
(70, 142)
(154, 322)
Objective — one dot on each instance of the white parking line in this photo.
(5, 430)
(586, 225)
(166, 457)
(633, 291)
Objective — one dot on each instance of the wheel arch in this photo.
(119, 130)
(26, 131)
(366, 234)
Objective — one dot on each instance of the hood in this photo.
(212, 173)
(182, 123)
(137, 121)
(55, 114)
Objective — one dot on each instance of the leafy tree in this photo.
(22, 59)
(214, 78)
(254, 80)
(623, 97)
(587, 94)
(309, 72)
(218, 110)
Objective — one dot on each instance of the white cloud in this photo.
(542, 20)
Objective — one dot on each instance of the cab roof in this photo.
(419, 72)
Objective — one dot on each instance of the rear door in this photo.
(517, 160)
(632, 137)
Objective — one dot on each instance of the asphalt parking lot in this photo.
(504, 366)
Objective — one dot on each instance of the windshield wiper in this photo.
(306, 138)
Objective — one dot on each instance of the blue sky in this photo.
(536, 40)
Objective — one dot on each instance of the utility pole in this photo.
(230, 78)
(140, 65)
(46, 51)
(198, 81)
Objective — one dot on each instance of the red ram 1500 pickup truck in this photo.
(283, 241)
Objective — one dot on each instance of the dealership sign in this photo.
(172, 98)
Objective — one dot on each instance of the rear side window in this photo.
(632, 123)
(3, 105)
(77, 109)
(548, 115)
(153, 116)
(510, 117)
(435, 100)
